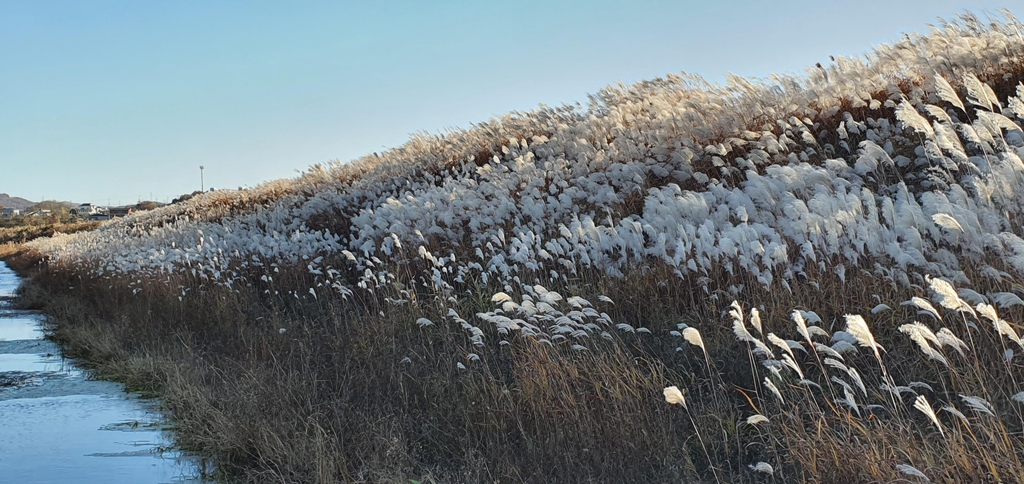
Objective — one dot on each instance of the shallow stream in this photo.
(59, 426)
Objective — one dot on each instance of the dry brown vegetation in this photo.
(280, 376)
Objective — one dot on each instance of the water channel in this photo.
(57, 425)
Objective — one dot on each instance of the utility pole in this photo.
(202, 182)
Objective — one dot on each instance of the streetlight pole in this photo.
(202, 182)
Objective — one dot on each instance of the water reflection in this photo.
(56, 425)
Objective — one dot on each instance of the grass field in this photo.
(811, 278)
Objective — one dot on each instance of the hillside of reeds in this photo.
(791, 279)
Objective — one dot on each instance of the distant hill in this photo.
(14, 202)
(53, 205)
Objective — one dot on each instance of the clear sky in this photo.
(116, 101)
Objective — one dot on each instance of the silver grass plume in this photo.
(947, 221)
(755, 320)
(1006, 299)
(1015, 104)
(912, 471)
(947, 93)
(912, 119)
(674, 397)
(849, 399)
(801, 325)
(925, 307)
(781, 343)
(956, 413)
(923, 336)
(771, 386)
(979, 93)
(788, 361)
(692, 336)
(937, 113)
(1001, 326)
(740, 330)
(856, 326)
(978, 404)
(827, 350)
(500, 297)
(947, 338)
(947, 295)
(921, 403)
(762, 467)
(756, 419)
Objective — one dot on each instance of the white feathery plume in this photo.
(817, 331)
(921, 403)
(856, 326)
(755, 320)
(827, 350)
(1006, 299)
(808, 383)
(978, 404)
(843, 347)
(801, 325)
(911, 471)
(500, 297)
(1015, 104)
(1018, 397)
(947, 221)
(979, 93)
(771, 386)
(834, 363)
(925, 307)
(762, 467)
(912, 119)
(937, 113)
(780, 343)
(920, 384)
(849, 399)
(736, 312)
(787, 360)
(740, 330)
(692, 336)
(852, 372)
(923, 336)
(758, 418)
(971, 296)
(674, 396)
(947, 338)
(946, 92)
(958, 414)
(1001, 326)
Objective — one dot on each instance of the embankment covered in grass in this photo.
(826, 266)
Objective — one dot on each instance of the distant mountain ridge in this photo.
(19, 203)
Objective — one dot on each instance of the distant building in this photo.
(99, 216)
(85, 209)
(9, 212)
(119, 211)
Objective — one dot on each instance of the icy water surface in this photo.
(58, 426)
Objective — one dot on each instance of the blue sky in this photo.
(116, 101)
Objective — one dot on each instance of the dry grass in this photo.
(281, 379)
(333, 398)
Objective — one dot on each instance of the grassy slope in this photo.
(280, 384)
